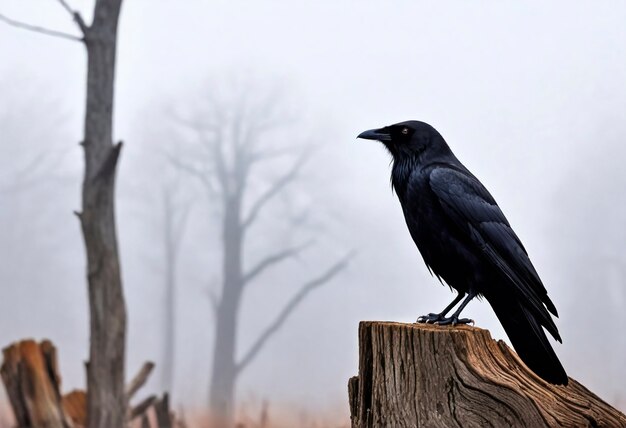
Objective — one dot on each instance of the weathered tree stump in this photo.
(30, 374)
(417, 375)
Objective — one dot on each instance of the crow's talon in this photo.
(429, 319)
(454, 320)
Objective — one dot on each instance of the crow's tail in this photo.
(528, 337)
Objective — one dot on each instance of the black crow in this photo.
(466, 241)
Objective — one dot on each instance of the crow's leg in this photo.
(433, 318)
(454, 319)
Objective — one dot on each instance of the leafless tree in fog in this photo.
(33, 157)
(28, 154)
(232, 142)
(106, 405)
(175, 216)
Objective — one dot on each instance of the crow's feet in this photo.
(454, 320)
(430, 319)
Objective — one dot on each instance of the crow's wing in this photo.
(467, 203)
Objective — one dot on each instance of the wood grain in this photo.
(418, 375)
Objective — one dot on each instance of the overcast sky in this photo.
(523, 93)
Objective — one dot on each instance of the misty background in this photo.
(530, 97)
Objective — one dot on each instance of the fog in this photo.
(530, 97)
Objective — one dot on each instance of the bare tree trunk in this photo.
(106, 402)
(417, 375)
(231, 139)
(174, 223)
(106, 406)
(224, 371)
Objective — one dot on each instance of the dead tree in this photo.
(32, 380)
(229, 142)
(30, 374)
(106, 405)
(417, 375)
(174, 222)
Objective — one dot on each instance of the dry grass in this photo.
(202, 420)
(252, 414)
(260, 414)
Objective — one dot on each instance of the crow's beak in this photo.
(381, 134)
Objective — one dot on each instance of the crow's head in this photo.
(408, 138)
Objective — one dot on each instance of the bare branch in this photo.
(66, 7)
(272, 260)
(202, 174)
(289, 308)
(201, 126)
(213, 146)
(141, 408)
(139, 380)
(38, 29)
(78, 19)
(162, 411)
(38, 169)
(220, 163)
(274, 190)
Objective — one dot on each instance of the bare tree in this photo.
(175, 216)
(29, 155)
(231, 141)
(106, 405)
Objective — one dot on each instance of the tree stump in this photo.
(418, 375)
(30, 374)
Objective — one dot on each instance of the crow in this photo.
(466, 241)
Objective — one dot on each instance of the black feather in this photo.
(465, 239)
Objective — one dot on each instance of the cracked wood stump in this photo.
(416, 375)
(29, 371)
(30, 374)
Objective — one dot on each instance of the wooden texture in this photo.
(30, 375)
(105, 399)
(106, 403)
(417, 375)
(164, 417)
(75, 407)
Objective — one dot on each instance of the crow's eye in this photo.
(405, 131)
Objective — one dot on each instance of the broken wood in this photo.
(165, 418)
(419, 375)
(139, 380)
(141, 408)
(30, 375)
(75, 407)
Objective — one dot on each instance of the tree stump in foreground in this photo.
(30, 375)
(29, 371)
(417, 375)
